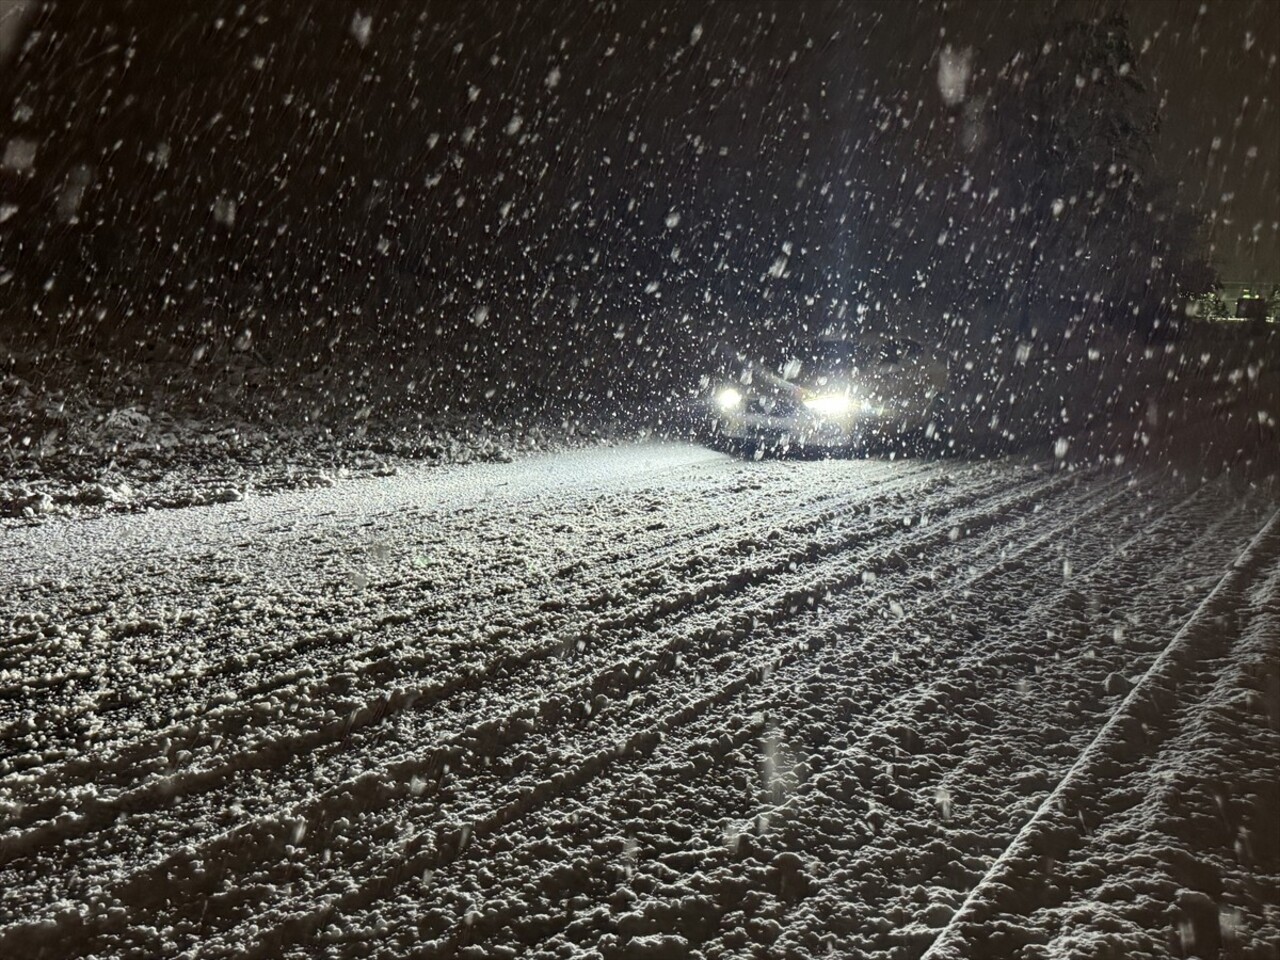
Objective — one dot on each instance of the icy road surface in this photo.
(649, 701)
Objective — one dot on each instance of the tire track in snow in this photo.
(1057, 681)
(235, 718)
(234, 714)
(1052, 481)
(1211, 785)
(1117, 743)
(638, 744)
(270, 877)
(733, 740)
(691, 773)
(31, 669)
(24, 662)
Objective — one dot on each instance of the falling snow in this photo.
(620, 479)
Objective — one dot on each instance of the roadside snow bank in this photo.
(83, 451)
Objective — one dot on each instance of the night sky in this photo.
(530, 167)
(1218, 72)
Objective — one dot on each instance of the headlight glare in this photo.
(830, 404)
(728, 398)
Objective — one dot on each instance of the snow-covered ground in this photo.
(650, 701)
(133, 458)
(148, 434)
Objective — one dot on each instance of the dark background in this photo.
(537, 201)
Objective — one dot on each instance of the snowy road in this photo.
(648, 701)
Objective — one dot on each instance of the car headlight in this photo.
(728, 399)
(830, 404)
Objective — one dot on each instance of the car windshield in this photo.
(841, 357)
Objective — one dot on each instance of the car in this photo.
(833, 393)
